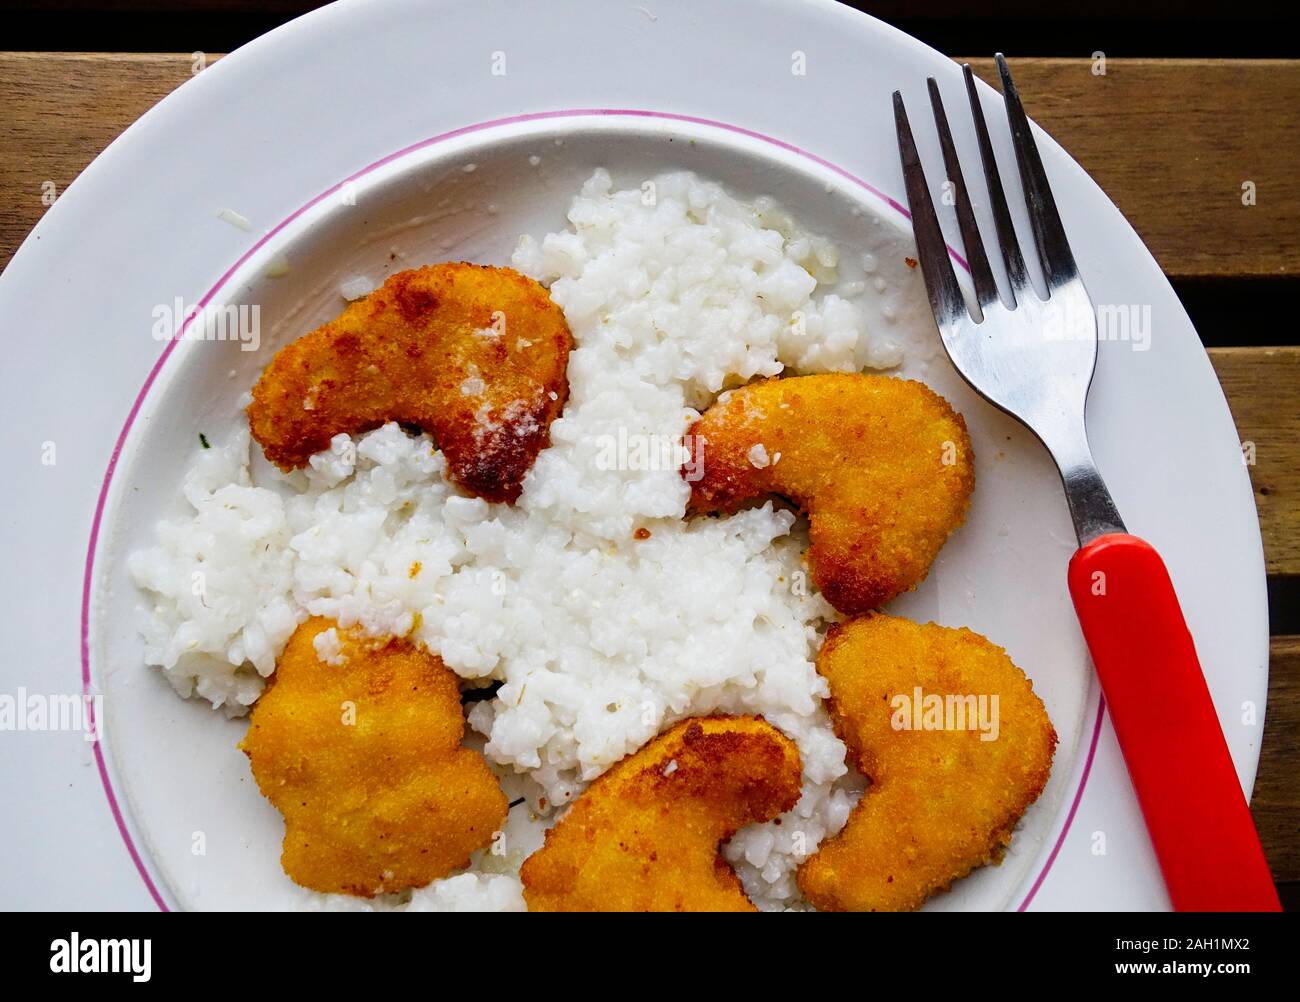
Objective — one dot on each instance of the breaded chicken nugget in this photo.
(475, 356)
(949, 778)
(364, 761)
(645, 835)
(882, 466)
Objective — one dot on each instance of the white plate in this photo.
(398, 96)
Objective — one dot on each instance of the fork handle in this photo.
(1185, 781)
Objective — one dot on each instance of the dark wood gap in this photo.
(35, 27)
(1160, 28)
(1284, 605)
(1152, 30)
(1242, 312)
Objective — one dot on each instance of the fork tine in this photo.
(986, 286)
(1049, 234)
(1007, 240)
(946, 299)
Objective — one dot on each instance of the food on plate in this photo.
(590, 614)
(473, 355)
(882, 466)
(598, 640)
(645, 836)
(357, 742)
(956, 744)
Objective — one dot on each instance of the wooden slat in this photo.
(1263, 389)
(1171, 141)
(1276, 803)
(60, 111)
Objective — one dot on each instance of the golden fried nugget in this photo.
(645, 835)
(364, 761)
(949, 780)
(473, 355)
(882, 466)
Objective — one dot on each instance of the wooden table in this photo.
(1170, 140)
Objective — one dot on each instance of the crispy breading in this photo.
(645, 835)
(882, 466)
(475, 356)
(941, 801)
(364, 761)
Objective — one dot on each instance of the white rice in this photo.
(465, 892)
(600, 639)
(356, 287)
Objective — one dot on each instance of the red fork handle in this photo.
(1186, 784)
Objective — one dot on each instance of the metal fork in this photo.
(1034, 358)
